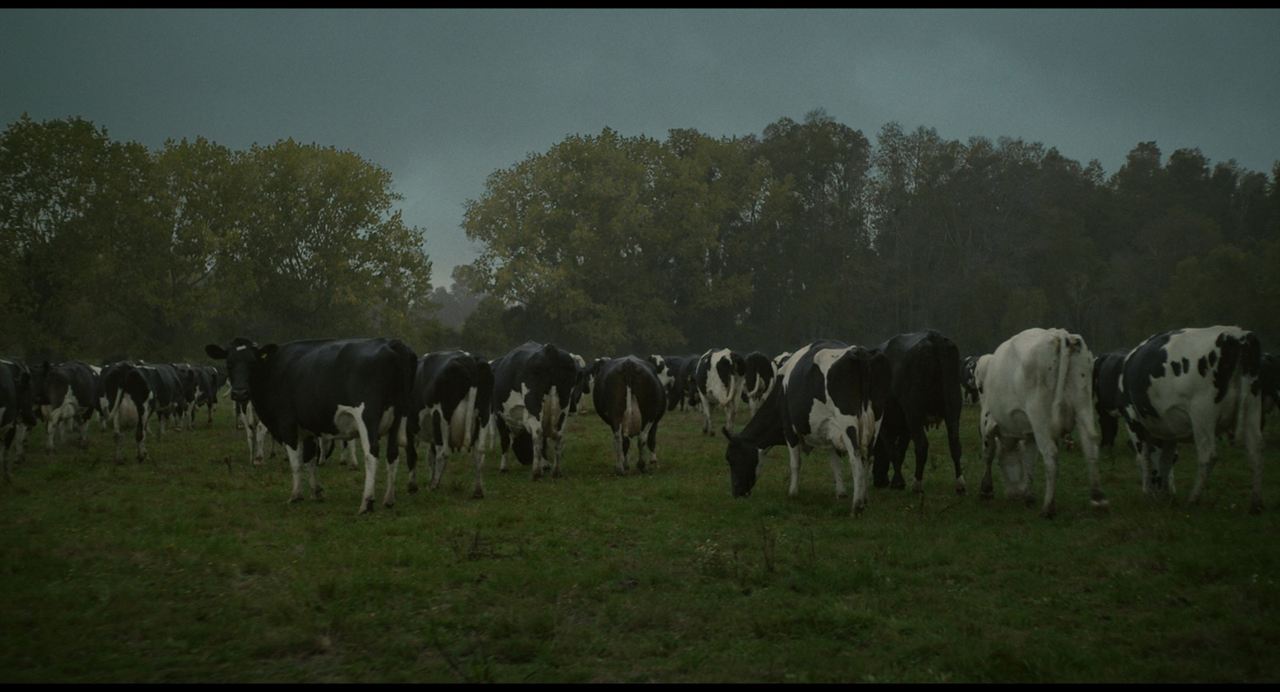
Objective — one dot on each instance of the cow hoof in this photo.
(857, 509)
(1049, 511)
(986, 494)
(502, 470)
(318, 494)
(960, 489)
(388, 503)
(1255, 507)
(917, 487)
(295, 498)
(257, 462)
(366, 507)
(897, 484)
(842, 495)
(413, 487)
(478, 494)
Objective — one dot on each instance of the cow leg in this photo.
(368, 443)
(990, 445)
(1164, 467)
(84, 433)
(1202, 429)
(730, 408)
(649, 446)
(353, 462)
(953, 444)
(921, 444)
(1049, 451)
(1089, 445)
(311, 459)
(880, 455)
(536, 462)
(295, 466)
(836, 464)
(619, 454)
(437, 459)
(706, 416)
(794, 489)
(859, 468)
(504, 441)
(899, 455)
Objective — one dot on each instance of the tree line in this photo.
(607, 244)
(109, 249)
(610, 244)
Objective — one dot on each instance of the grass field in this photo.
(192, 567)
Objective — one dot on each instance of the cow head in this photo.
(743, 460)
(243, 358)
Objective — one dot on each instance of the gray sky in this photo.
(442, 98)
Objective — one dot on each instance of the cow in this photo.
(685, 383)
(967, 380)
(190, 379)
(451, 396)
(829, 394)
(336, 388)
(100, 401)
(757, 379)
(1106, 394)
(581, 387)
(630, 398)
(925, 391)
(1191, 384)
(135, 393)
(532, 385)
(1036, 387)
(16, 415)
(67, 396)
(719, 377)
(672, 374)
(779, 360)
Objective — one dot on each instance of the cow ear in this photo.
(267, 351)
(216, 352)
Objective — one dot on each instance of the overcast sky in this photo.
(442, 98)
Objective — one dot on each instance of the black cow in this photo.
(1106, 394)
(630, 399)
(137, 391)
(925, 391)
(829, 394)
(1191, 384)
(452, 394)
(16, 415)
(67, 396)
(190, 379)
(967, 380)
(719, 376)
(532, 386)
(757, 379)
(339, 388)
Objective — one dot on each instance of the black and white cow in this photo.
(757, 379)
(67, 397)
(206, 393)
(719, 376)
(16, 415)
(686, 382)
(672, 372)
(581, 387)
(452, 394)
(967, 380)
(336, 388)
(1106, 394)
(779, 360)
(630, 399)
(1191, 384)
(135, 393)
(1035, 388)
(925, 391)
(187, 374)
(532, 385)
(830, 394)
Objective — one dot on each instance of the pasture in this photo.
(192, 568)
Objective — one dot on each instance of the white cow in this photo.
(1191, 384)
(719, 379)
(1035, 388)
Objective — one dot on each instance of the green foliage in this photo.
(614, 244)
(109, 248)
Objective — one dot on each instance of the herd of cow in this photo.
(1037, 389)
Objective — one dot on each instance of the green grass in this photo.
(190, 568)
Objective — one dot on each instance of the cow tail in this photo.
(1249, 363)
(949, 369)
(407, 371)
(1064, 354)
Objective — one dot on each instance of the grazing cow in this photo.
(1191, 384)
(779, 360)
(1036, 387)
(757, 379)
(531, 390)
(16, 414)
(1106, 394)
(925, 391)
(685, 388)
(135, 393)
(451, 396)
(967, 380)
(336, 388)
(672, 374)
(830, 394)
(190, 387)
(630, 399)
(67, 396)
(719, 377)
(100, 400)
